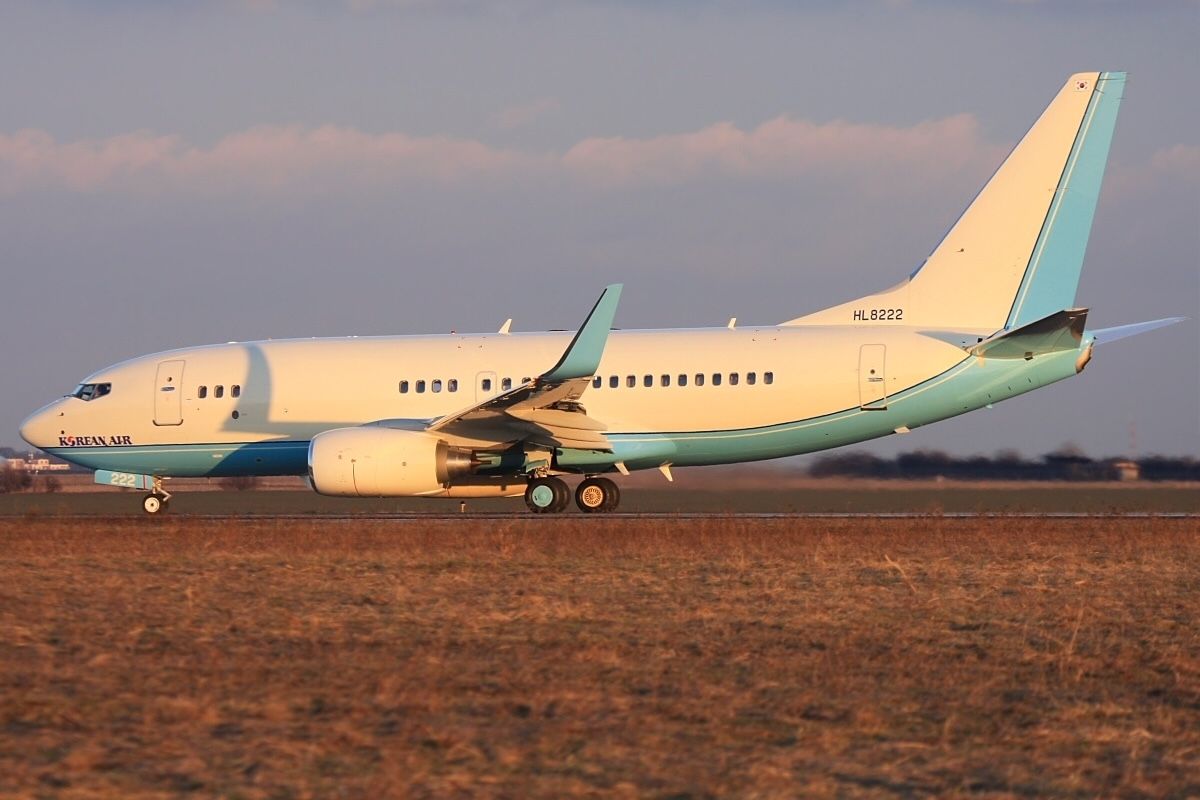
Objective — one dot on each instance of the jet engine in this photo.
(383, 462)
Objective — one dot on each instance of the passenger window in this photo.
(420, 387)
(699, 378)
(665, 380)
(733, 379)
(631, 381)
(452, 384)
(486, 384)
(716, 379)
(683, 380)
(436, 385)
(235, 390)
(218, 391)
(751, 378)
(403, 387)
(614, 381)
(506, 383)
(768, 378)
(597, 381)
(647, 380)
(202, 392)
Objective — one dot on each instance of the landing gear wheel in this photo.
(547, 495)
(597, 495)
(153, 504)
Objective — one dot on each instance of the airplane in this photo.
(989, 314)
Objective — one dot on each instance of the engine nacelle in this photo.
(383, 462)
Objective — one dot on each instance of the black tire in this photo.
(547, 495)
(597, 496)
(612, 492)
(591, 496)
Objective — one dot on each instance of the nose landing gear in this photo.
(159, 499)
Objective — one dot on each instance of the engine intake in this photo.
(383, 462)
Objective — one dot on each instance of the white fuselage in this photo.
(692, 396)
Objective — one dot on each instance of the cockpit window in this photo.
(91, 391)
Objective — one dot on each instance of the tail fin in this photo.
(1015, 254)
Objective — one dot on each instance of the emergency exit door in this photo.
(872, 377)
(168, 393)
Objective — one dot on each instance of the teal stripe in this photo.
(1052, 275)
(208, 460)
(972, 384)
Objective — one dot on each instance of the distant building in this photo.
(31, 464)
(1127, 470)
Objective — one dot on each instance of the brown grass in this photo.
(600, 657)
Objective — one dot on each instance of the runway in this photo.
(433, 516)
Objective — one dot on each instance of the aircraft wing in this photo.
(546, 410)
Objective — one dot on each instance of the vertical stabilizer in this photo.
(1015, 254)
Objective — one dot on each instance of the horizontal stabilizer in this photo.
(1062, 330)
(1104, 335)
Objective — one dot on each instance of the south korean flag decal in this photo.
(1081, 86)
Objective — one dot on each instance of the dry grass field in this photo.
(577, 656)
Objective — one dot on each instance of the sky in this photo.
(202, 171)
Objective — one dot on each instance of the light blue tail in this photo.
(1052, 275)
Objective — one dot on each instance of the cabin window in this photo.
(682, 380)
(751, 378)
(506, 383)
(631, 381)
(420, 387)
(647, 380)
(436, 385)
(452, 385)
(235, 390)
(202, 392)
(699, 378)
(614, 381)
(716, 379)
(597, 382)
(486, 384)
(526, 380)
(218, 391)
(733, 379)
(664, 380)
(768, 378)
(403, 387)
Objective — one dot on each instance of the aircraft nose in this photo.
(37, 430)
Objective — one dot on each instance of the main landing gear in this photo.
(551, 495)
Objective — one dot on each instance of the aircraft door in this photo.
(485, 386)
(168, 393)
(872, 383)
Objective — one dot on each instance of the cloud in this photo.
(264, 157)
(286, 158)
(784, 147)
(522, 114)
(1177, 164)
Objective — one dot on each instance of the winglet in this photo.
(582, 356)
